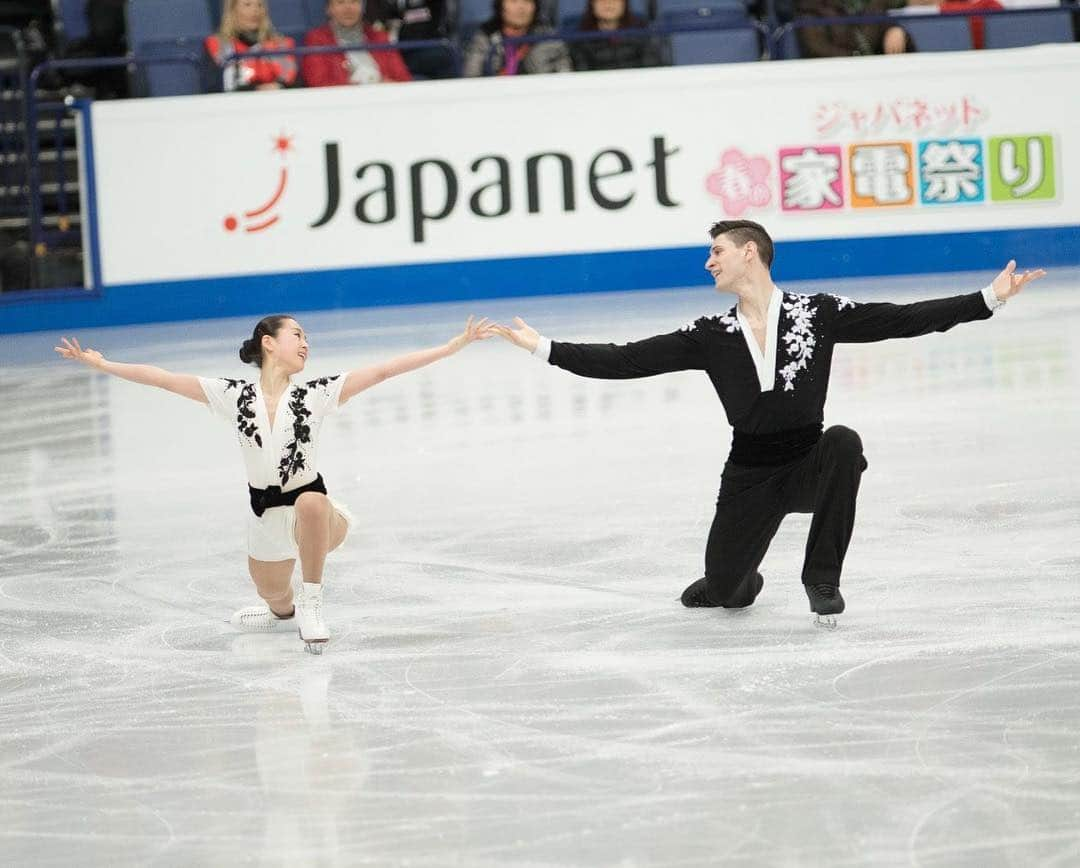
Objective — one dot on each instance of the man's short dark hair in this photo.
(742, 231)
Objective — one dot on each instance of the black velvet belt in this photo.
(772, 450)
(263, 499)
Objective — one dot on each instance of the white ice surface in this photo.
(511, 679)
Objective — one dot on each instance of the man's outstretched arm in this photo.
(864, 323)
(678, 351)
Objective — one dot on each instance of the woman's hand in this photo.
(474, 331)
(72, 350)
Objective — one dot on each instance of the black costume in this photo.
(780, 461)
(611, 50)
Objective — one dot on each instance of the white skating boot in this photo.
(259, 619)
(309, 615)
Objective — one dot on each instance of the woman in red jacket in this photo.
(246, 25)
(354, 65)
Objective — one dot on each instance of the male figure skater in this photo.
(769, 359)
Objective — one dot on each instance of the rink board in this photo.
(545, 185)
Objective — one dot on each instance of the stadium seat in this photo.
(707, 16)
(71, 16)
(736, 44)
(172, 78)
(159, 20)
(292, 17)
(1027, 28)
(470, 15)
(704, 8)
(944, 33)
(316, 12)
(163, 28)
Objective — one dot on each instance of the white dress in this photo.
(284, 454)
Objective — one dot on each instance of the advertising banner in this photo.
(343, 178)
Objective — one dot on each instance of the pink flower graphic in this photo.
(740, 182)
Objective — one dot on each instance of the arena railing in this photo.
(46, 118)
(783, 35)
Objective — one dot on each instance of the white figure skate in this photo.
(312, 628)
(259, 619)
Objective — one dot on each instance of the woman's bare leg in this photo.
(319, 529)
(273, 581)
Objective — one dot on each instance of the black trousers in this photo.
(754, 500)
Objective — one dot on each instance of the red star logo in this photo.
(283, 144)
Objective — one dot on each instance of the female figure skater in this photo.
(278, 423)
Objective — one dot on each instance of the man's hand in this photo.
(1009, 283)
(72, 350)
(523, 336)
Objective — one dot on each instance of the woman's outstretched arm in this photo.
(364, 378)
(147, 375)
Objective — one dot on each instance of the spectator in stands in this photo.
(613, 52)
(355, 65)
(977, 25)
(513, 18)
(106, 37)
(846, 40)
(411, 20)
(246, 26)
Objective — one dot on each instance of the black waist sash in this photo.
(263, 499)
(772, 450)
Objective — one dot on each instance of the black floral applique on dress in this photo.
(245, 415)
(293, 459)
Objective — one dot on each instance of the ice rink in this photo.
(511, 678)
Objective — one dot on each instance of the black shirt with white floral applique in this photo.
(807, 329)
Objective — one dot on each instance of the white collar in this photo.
(765, 365)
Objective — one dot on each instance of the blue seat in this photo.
(470, 15)
(291, 17)
(709, 16)
(163, 28)
(71, 16)
(944, 33)
(171, 78)
(159, 20)
(316, 12)
(736, 44)
(788, 47)
(1027, 28)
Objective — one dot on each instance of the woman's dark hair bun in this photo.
(251, 349)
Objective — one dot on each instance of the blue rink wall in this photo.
(541, 275)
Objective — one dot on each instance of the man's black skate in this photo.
(695, 596)
(826, 602)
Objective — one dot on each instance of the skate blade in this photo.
(826, 622)
(315, 648)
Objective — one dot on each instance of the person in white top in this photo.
(278, 422)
